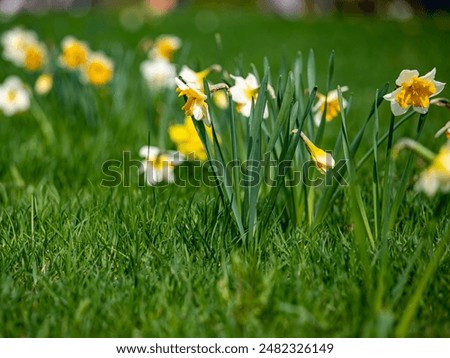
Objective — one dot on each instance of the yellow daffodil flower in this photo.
(244, 93)
(322, 160)
(413, 91)
(165, 47)
(437, 176)
(74, 53)
(333, 108)
(186, 139)
(98, 69)
(195, 105)
(35, 56)
(159, 165)
(43, 84)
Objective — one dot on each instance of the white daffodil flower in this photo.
(413, 91)
(333, 108)
(14, 97)
(15, 43)
(159, 165)
(244, 93)
(159, 74)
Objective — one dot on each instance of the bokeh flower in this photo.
(159, 165)
(165, 47)
(159, 74)
(23, 48)
(195, 105)
(220, 99)
(437, 176)
(14, 97)
(322, 160)
(75, 53)
(43, 84)
(187, 141)
(98, 69)
(244, 93)
(332, 103)
(413, 91)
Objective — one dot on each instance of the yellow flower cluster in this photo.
(96, 68)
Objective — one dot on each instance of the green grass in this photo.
(81, 260)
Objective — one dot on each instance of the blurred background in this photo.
(286, 8)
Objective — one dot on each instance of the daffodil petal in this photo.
(405, 76)
(398, 110)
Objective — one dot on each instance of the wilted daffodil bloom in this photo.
(322, 160)
(437, 176)
(164, 47)
(43, 84)
(186, 139)
(74, 53)
(98, 69)
(244, 93)
(413, 91)
(195, 105)
(158, 165)
(14, 97)
(332, 103)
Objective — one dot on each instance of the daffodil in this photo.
(159, 165)
(322, 160)
(165, 47)
(195, 79)
(332, 103)
(413, 91)
(98, 69)
(187, 141)
(75, 53)
(159, 74)
(15, 42)
(437, 176)
(14, 97)
(43, 84)
(244, 93)
(195, 105)
(23, 48)
(35, 56)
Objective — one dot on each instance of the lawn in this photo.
(81, 259)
